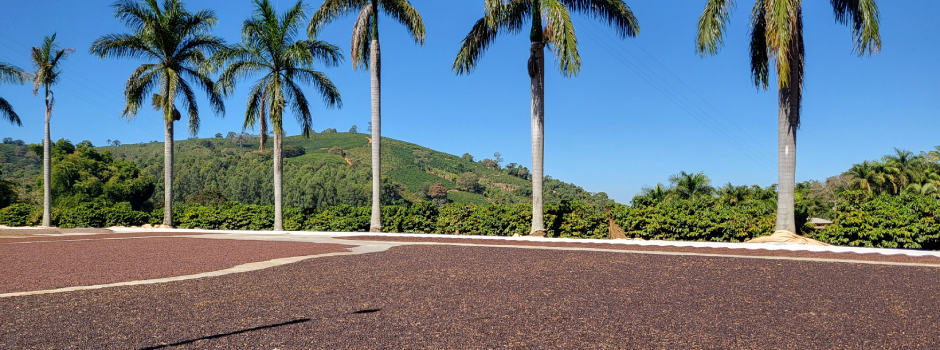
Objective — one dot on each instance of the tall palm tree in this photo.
(10, 74)
(47, 59)
(268, 47)
(367, 56)
(511, 16)
(688, 186)
(777, 37)
(178, 44)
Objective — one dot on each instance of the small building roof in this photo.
(819, 221)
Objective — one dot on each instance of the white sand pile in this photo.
(783, 236)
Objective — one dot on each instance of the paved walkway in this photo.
(424, 291)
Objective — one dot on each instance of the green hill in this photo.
(325, 170)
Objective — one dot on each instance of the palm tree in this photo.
(732, 194)
(366, 30)
(777, 37)
(178, 44)
(268, 48)
(10, 74)
(688, 186)
(46, 59)
(865, 176)
(510, 16)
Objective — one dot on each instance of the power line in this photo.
(679, 99)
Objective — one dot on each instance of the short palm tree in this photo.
(47, 60)
(10, 74)
(777, 37)
(268, 48)
(688, 186)
(178, 44)
(365, 54)
(865, 176)
(511, 16)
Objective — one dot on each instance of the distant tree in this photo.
(353, 129)
(438, 194)
(269, 49)
(108, 141)
(688, 186)
(218, 135)
(231, 135)
(177, 44)
(422, 157)
(370, 127)
(336, 150)
(366, 55)
(467, 157)
(209, 197)
(776, 45)
(116, 143)
(7, 140)
(490, 163)
(469, 182)
(498, 158)
(328, 131)
(46, 59)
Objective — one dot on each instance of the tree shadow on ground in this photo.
(216, 336)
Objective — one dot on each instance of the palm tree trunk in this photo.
(47, 168)
(263, 123)
(786, 158)
(537, 84)
(278, 176)
(168, 173)
(375, 63)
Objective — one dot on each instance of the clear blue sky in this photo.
(641, 109)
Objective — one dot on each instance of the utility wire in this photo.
(678, 98)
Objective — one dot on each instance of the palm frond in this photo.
(559, 33)
(711, 26)
(509, 18)
(138, 86)
(360, 48)
(760, 60)
(404, 13)
(7, 113)
(121, 46)
(12, 74)
(615, 12)
(864, 18)
(329, 11)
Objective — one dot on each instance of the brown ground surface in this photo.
(13, 232)
(35, 238)
(721, 251)
(50, 265)
(454, 297)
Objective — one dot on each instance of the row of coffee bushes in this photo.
(905, 221)
(569, 219)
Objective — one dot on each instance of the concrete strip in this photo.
(653, 252)
(240, 268)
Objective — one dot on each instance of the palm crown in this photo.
(510, 16)
(178, 42)
(46, 59)
(268, 47)
(777, 34)
(366, 28)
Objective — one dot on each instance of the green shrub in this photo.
(905, 221)
(699, 219)
(21, 214)
(99, 214)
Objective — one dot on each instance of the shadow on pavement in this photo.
(216, 336)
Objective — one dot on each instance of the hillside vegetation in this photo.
(325, 170)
